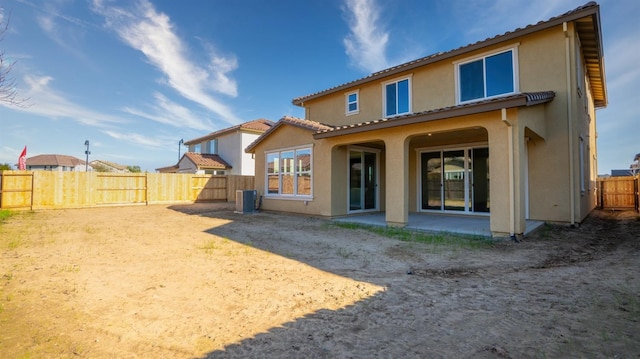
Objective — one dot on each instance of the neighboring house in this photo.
(109, 166)
(61, 163)
(504, 128)
(621, 173)
(203, 163)
(221, 152)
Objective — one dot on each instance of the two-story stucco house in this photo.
(222, 152)
(504, 127)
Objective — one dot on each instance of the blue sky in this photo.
(134, 77)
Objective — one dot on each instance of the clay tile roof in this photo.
(594, 47)
(260, 125)
(109, 164)
(293, 121)
(302, 123)
(493, 104)
(168, 169)
(54, 160)
(204, 160)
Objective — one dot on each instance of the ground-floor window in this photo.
(455, 179)
(289, 172)
(215, 172)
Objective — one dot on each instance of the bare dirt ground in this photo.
(202, 281)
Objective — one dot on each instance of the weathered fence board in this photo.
(51, 189)
(619, 193)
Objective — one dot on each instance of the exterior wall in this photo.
(186, 166)
(288, 137)
(247, 161)
(552, 178)
(586, 136)
(229, 149)
(541, 68)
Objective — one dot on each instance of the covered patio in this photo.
(435, 222)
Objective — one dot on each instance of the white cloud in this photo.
(152, 33)
(367, 42)
(45, 101)
(135, 138)
(171, 113)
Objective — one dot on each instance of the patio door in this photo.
(455, 180)
(363, 180)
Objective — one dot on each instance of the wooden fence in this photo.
(50, 189)
(619, 193)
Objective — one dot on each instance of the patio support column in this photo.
(516, 162)
(397, 181)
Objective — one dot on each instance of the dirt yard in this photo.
(201, 281)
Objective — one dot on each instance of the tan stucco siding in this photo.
(287, 137)
(541, 67)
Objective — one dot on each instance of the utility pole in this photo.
(180, 144)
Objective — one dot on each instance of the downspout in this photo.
(512, 180)
(572, 195)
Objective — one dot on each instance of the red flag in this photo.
(22, 160)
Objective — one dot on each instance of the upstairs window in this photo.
(488, 76)
(397, 97)
(351, 103)
(212, 147)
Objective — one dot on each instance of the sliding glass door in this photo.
(363, 178)
(455, 180)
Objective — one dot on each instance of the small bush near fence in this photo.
(49, 189)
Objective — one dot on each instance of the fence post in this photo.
(32, 191)
(1, 188)
(637, 193)
(146, 188)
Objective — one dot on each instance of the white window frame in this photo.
(347, 103)
(516, 71)
(384, 95)
(296, 173)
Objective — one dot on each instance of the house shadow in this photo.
(406, 318)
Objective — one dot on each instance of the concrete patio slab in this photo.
(468, 225)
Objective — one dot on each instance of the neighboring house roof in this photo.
(109, 164)
(54, 160)
(511, 101)
(620, 173)
(259, 126)
(168, 169)
(205, 160)
(587, 20)
(293, 121)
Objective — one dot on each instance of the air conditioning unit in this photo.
(246, 201)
